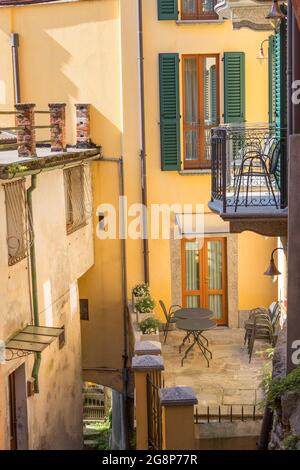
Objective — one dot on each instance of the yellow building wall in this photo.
(255, 289)
(171, 187)
(71, 53)
(88, 52)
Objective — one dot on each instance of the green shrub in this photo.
(145, 305)
(149, 325)
(104, 436)
(141, 290)
(279, 386)
(290, 442)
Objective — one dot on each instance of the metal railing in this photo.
(249, 167)
(93, 413)
(154, 383)
(226, 414)
(22, 134)
(12, 131)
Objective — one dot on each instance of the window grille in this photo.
(78, 197)
(18, 221)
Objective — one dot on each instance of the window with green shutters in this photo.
(167, 9)
(234, 87)
(169, 111)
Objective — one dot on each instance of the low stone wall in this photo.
(238, 435)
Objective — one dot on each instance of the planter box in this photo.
(152, 337)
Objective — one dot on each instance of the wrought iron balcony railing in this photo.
(249, 168)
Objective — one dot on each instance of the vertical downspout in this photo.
(37, 360)
(143, 143)
(14, 41)
(124, 301)
(120, 163)
(289, 69)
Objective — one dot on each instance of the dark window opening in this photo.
(84, 309)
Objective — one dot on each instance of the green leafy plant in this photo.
(145, 304)
(149, 325)
(16, 168)
(279, 386)
(290, 442)
(265, 384)
(141, 290)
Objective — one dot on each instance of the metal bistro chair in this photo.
(256, 164)
(270, 313)
(262, 329)
(262, 324)
(169, 317)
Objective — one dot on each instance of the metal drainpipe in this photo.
(289, 69)
(120, 163)
(37, 360)
(296, 72)
(14, 41)
(143, 143)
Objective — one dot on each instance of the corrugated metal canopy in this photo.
(32, 339)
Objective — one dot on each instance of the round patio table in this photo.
(195, 328)
(192, 313)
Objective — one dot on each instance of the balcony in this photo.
(28, 147)
(245, 13)
(249, 178)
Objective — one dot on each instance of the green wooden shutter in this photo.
(280, 66)
(278, 79)
(234, 87)
(167, 9)
(169, 111)
(272, 80)
(213, 93)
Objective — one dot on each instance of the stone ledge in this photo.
(147, 348)
(177, 396)
(147, 362)
(198, 22)
(203, 171)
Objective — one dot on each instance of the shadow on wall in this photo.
(63, 49)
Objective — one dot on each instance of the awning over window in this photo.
(32, 339)
(200, 224)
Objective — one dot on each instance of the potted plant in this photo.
(149, 329)
(145, 304)
(139, 291)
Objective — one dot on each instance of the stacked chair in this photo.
(262, 324)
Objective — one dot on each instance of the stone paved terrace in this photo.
(230, 379)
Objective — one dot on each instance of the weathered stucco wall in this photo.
(72, 53)
(55, 414)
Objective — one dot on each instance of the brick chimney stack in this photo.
(58, 126)
(26, 130)
(83, 125)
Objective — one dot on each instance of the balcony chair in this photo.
(169, 316)
(256, 164)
